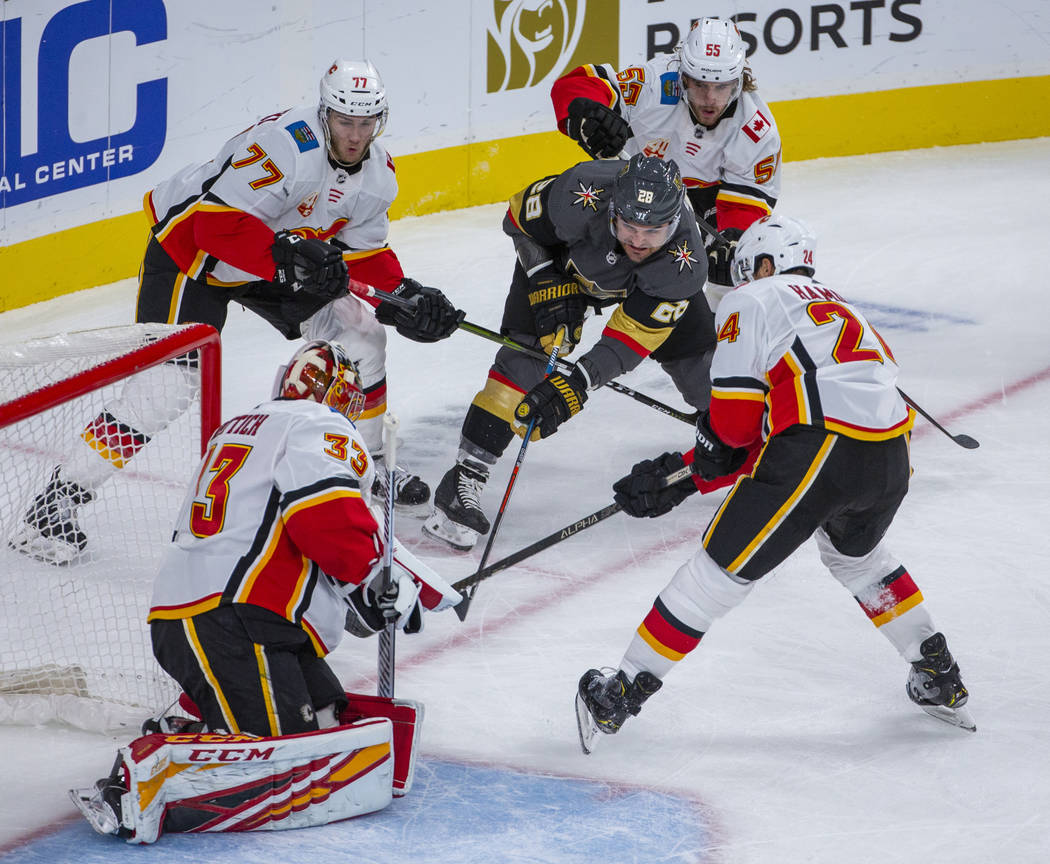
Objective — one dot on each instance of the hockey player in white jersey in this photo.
(699, 106)
(799, 367)
(275, 552)
(273, 223)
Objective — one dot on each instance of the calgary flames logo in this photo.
(531, 42)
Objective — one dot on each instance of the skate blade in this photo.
(960, 716)
(35, 545)
(440, 528)
(415, 511)
(586, 726)
(98, 814)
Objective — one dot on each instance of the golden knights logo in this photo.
(683, 256)
(532, 42)
(588, 196)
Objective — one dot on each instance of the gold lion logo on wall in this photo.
(532, 42)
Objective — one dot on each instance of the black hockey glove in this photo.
(556, 300)
(553, 401)
(598, 130)
(720, 258)
(712, 457)
(645, 493)
(310, 265)
(430, 318)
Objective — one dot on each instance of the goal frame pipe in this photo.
(196, 336)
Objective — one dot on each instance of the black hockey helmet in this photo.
(648, 191)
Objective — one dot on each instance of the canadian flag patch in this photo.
(757, 126)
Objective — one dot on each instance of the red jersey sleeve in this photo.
(583, 81)
(338, 532)
(237, 238)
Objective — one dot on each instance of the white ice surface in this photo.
(789, 724)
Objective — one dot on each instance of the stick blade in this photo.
(966, 441)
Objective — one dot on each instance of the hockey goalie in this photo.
(276, 552)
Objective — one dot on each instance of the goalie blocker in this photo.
(185, 783)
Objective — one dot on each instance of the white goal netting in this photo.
(77, 560)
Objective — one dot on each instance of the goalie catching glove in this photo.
(720, 258)
(556, 301)
(644, 492)
(420, 313)
(553, 401)
(600, 131)
(308, 265)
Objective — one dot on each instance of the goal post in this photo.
(75, 644)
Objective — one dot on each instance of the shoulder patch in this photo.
(303, 135)
(670, 89)
(683, 256)
(757, 127)
(587, 195)
(390, 163)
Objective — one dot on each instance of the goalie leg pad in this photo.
(407, 717)
(209, 782)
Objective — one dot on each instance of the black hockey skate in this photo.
(935, 686)
(458, 519)
(49, 530)
(604, 702)
(411, 493)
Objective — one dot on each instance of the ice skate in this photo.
(603, 702)
(458, 519)
(935, 686)
(100, 806)
(411, 493)
(49, 530)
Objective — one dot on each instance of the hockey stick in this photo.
(363, 290)
(566, 366)
(464, 604)
(385, 672)
(551, 539)
(962, 440)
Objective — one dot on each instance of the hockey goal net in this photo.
(100, 431)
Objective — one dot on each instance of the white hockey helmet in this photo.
(354, 88)
(787, 242)
(323, 372)
(713, 50)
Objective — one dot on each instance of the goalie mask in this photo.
(323, 372)
(352, 88)
(788, 244)
(713, 51)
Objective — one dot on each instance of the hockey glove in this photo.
(712, 457)
(720, 258)
(556, 301)
(430, 318)
(371, 611)
(600, 131)
(553, 401)
(309, 265)
(644, 493)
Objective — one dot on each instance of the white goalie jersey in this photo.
(810, 356)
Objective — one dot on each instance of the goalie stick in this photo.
(362, 289)
(385, 670)
(464, 604)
